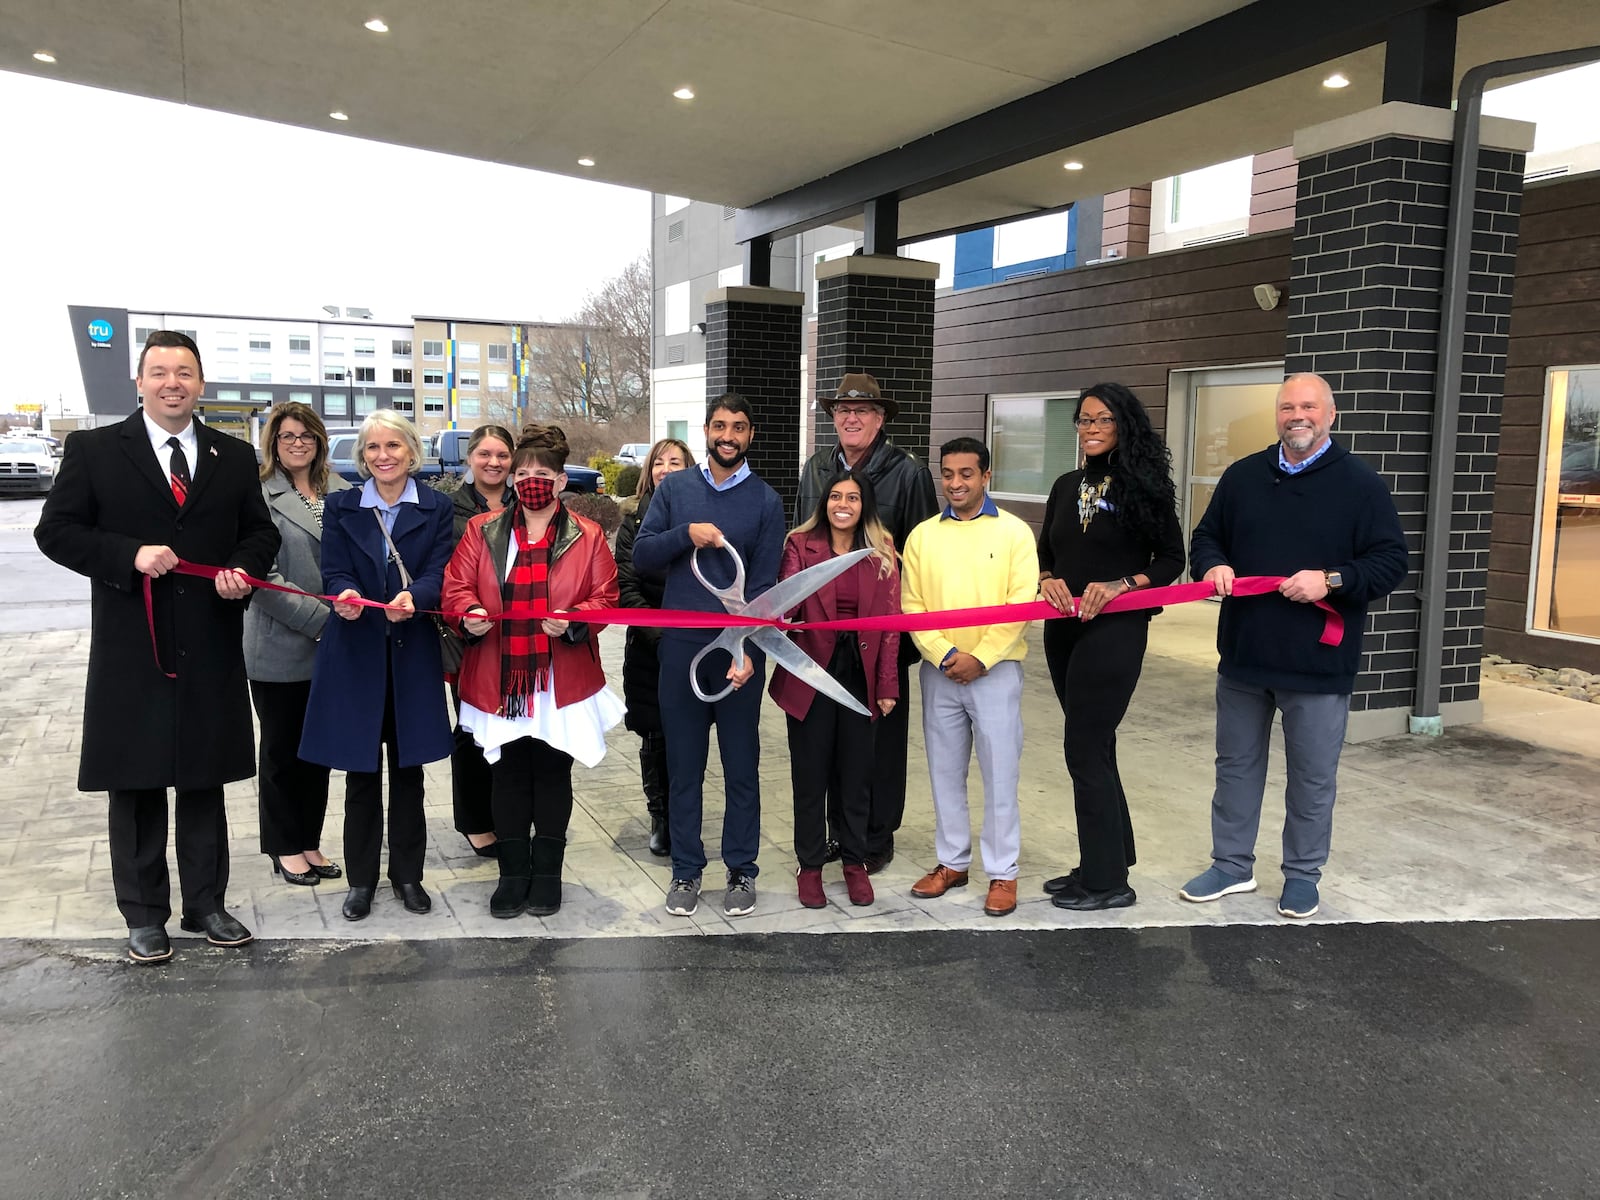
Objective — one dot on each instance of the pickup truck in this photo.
(446, 455)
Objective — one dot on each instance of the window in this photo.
(333, 375)
(227, 339)
(335, 404)
(260, 372)
(432, 378)
(301, 398)
(467, 351)
(467, 406)
(675, 309)
(1566, 551)
(402, 375)
(231, 394)
(333, 347)
(467, 379)
(402, 406)
(366, 374)
(433, 404)
(432, 349)
(190, 334)
(227, 372)
(1032, 442)
(299, 375)
(141, 335)
(679, 430)
(498, 381)
(400, 348)
(260, 343)
(499, 352)
(366, 403)
(260, 397)
(365, 348)
(299, 344)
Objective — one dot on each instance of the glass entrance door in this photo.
(1230, 415)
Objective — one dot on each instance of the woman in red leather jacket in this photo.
(831, 747)
(533, 694)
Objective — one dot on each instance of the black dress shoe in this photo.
(414, 897)
(877, 862)
(306, 878)
(358, 903)
(328, 870)
(492, 850)
(220, 929)
(1061, 883)
(1081, 899)
(148, 945)
(660, 836)
(834, 852)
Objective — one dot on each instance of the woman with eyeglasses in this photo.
(1109, 529)
(281, 632)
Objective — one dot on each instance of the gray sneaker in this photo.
(683, 897)
(740, 898)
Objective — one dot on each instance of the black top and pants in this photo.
(1095, 664)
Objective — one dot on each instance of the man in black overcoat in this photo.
(168, 707)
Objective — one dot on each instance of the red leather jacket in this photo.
(880, 595)
(582, 575)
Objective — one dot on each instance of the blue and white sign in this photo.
(100, 334)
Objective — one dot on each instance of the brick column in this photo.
(875, 314)
(1371, 206)
(753, 348)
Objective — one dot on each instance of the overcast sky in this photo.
(117, 200)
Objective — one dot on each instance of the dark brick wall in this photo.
(1366, 265)
(754, 349)
(883, 326)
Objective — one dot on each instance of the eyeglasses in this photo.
(854, 410)
(1095, 422)
(304, 439)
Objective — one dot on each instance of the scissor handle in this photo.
(736, 649)
(734, 592)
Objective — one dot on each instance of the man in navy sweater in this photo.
(720, 503)
(1309, 510)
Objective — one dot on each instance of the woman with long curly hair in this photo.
(1109, 528)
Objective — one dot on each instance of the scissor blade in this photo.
(779, 599)
(801, 665)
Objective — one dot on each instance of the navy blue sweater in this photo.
(750, 516)
(1336, 515)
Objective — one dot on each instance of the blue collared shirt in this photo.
(733, 480)
(988, 510)
(371, 499)
(1289, 468)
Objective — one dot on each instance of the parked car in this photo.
(26, 465)
(633, 454)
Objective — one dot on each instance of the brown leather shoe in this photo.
(1002, 898)
(939, 881)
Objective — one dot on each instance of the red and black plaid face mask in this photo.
(536, 492)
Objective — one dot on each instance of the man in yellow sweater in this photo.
(969, 556)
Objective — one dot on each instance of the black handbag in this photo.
(451, 647)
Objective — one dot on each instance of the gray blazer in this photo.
(280, 630)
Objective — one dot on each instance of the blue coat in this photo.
(344, 718)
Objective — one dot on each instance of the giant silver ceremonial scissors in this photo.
(771, 605)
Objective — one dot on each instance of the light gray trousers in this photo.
(1313, 736)
(986, 714)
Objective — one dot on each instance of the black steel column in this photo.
(758, 262)
(882, 226)
(1420, 61)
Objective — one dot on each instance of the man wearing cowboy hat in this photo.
(906, 497)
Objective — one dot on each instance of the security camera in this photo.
(1267, 296)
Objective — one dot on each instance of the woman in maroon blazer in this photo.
(831, 747)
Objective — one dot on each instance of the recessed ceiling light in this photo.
(1337, 80)
(1072, 164)
(44, 56)
(684, 93)
(586, 162)
(339, 116)
(377, 25)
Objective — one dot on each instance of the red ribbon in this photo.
(671, 618)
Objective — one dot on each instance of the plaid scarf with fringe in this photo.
(524, 645)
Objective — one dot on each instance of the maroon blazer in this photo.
(880, 595)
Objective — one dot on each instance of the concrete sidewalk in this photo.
(1499, 820)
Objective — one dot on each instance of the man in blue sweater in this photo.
(1309, 510)
(720, 503)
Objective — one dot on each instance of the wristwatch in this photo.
(1333, 579)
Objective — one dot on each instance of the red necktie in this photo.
(179, 471)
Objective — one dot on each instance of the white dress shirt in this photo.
(186, 439)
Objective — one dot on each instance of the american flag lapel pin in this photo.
(213, 451)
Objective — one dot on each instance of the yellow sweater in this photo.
(970, 564)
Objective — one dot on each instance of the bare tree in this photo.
(596, 368)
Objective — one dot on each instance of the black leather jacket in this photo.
(901, 485)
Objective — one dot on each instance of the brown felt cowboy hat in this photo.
(861, 386)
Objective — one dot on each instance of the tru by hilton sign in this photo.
(100, 332)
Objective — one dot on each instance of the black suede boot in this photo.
(510, 899)
(544, 892)
(653, 773)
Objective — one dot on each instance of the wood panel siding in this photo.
(1555, 322)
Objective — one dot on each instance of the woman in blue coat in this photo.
(378, 679)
